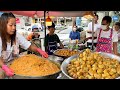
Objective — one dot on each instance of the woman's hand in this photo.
(43, 53)
(36, 49)
(8, 71)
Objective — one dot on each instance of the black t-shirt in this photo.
(51, 38)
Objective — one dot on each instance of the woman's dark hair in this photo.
(3, 29)
(96, 15)
(107, 18)
(53, 25)
(117, 23)
(75, 26)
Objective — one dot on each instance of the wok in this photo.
(52, 76)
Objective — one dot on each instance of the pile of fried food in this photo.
(32, 65)
(92, 65)
(66, 52)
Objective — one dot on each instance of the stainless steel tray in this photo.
(52, 76)
(67, 61)
(60, 55)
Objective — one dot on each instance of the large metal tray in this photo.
(52, 76)
(60, 55)
(67, 61)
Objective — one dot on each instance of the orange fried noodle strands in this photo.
(32, 65)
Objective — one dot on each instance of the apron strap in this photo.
(111, 33)
(99, 33)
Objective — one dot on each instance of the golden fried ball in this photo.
(101, 66)
(118, 69)
(91, 65)
(84, 58)
(88, 50)
(81, 55)
(84, 54)
(100, 71)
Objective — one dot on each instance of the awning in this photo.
(1, 13)
(52, 13)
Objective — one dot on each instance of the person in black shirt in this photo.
(51, 40)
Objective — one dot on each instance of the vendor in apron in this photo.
(51, 40)
(107, 38)
(10, 41)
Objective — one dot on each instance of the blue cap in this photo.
(35, 26)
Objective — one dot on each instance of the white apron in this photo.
(11, 52)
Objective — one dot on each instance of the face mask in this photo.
(103, 27)
(74, 29)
